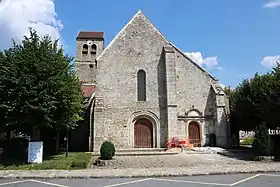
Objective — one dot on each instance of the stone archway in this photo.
(153, 120)
(194, 133)
(143, 133)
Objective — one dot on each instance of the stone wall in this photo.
(171, 91)
(138, 46)
(88, 58)
(194, 92)
(85, 64)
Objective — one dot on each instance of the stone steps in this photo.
(141, 152)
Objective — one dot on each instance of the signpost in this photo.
(35, 152)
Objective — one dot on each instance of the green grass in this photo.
(247, 141)
(59, 161)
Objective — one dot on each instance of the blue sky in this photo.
(234, 36)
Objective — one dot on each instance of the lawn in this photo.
(59, 161)
(248, 141)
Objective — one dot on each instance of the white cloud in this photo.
(272, 4)
(222, 85)
(270, 61)
(208, 62)
(16, 16)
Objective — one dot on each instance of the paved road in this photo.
(239, 180)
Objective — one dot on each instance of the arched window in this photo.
(85, 49)
(93, 49)
(141, 85)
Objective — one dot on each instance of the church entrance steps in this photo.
(207, 150)
(141, 152)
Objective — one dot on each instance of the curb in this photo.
(147, 175)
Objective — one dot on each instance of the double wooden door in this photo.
(143, 134)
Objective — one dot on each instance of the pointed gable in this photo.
(143, 23)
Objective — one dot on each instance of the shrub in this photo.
(16, 148)
(275, 148)
(262, 144)
(107, 150)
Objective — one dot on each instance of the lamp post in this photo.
(67, 141)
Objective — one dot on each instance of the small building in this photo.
(142, 90)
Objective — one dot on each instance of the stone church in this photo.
(142, 90)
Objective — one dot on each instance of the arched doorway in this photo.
(194, 134)
(143, 134)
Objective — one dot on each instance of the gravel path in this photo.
(170, 161)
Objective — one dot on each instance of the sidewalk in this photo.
(149, 172)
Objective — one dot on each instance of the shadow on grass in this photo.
(11, 161)
(241, 153)
(17, 159)
(246, 153)
(50, 161)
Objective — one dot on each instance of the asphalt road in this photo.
(239, 180)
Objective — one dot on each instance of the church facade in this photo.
(142, 90)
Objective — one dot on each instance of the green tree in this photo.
(262, 143)
(38, 87)
(8, 89)
(255, 101)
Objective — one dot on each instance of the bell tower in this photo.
(89, 45)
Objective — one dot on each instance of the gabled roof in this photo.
(181, 52)
(88, 90)
(139, 13)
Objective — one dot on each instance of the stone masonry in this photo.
(177, 90)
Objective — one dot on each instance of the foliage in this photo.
(38, 87)
(262, 144)
(107, 150)
(248, 141)
(256, 100)
(275, 147)
(14, 149)
(73, 161)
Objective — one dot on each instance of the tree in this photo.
(255, 101)
(262, 143)
(8, 89)
(38, 87)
